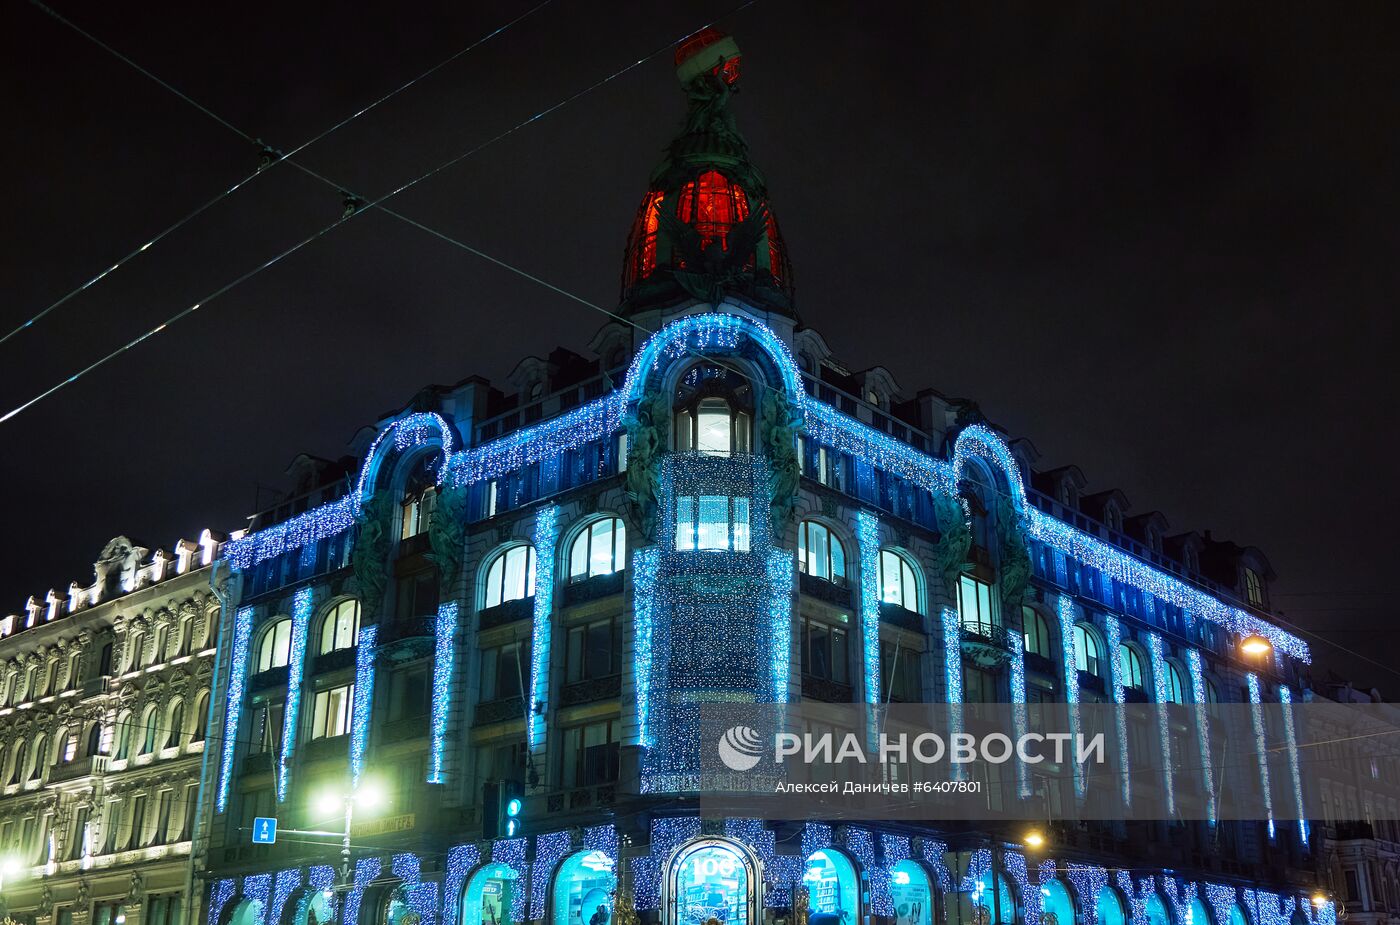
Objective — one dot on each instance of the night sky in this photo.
(1158, 240)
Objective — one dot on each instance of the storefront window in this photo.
(397, 910)
(1157, 911)
(1055, 901)
(1001, 909)
(489, 896)
(583, 890)
(712, 880)
(833, 891)
(1110, 908)
(911, 895)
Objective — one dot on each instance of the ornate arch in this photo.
(424, 428)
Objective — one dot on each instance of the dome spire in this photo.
(705, 227)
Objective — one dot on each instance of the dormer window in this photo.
(1253, 587)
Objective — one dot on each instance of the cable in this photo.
(377, 203)
(239, 132)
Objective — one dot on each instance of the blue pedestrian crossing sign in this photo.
(264, 830)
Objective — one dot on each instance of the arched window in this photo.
(1088, 654)
(1157, 911)
(1037, 632)
(583, 888)
(713, 409)
(911, 894)
(1196, 913)
(833, 887)
(819, 553)
(1130, 664)
(150, 728)
(135, 649)
(1110, 907)
(489, 897)
(174, 732)
(39, 759)
(712, 879)
(201, 716)
(1056, 906)
(511, 576)
(275, 647)
(18, 756)
(341, 627)
(1176, 685)
(899, 582)
(396, 909)
(124, 731)
(599, 549)
(94, 739)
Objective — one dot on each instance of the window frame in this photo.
(330, 623)
(908, 580)
(835, 553)
(617, 553)
(269, 644)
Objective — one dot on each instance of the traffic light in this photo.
(502, 803)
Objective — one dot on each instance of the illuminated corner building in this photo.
(104, 712)
(538, 585)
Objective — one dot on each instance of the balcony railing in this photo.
(499, 711)
(896, 615)
(590, 690)
(272, 677)
(509, 612)
(1350, 829)
(985, 643)
(336, 660)
(334, 747)
(824, 590)
(825, 690)
(590, 589)
(91, 766)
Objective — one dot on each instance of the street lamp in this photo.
(9, 868)
(1256, 645)
(368, 796)
(1034, 840)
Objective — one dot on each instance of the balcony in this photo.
(824, 590)
(1135, 695)
(500, 711)
(94, 687)
(1040, 664)
(1089, 681)
(895, 615)
(257, 763)
(591, 589)
(581, 798)
(335, 660)
(402, 730)
(1354, 830)
(590, 690)
(985, 644)
(825, 690)
(265, 680)
(333, 747)
(509, 612)
(91, 766)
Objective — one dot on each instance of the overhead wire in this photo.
(262, 168)
(377, 203)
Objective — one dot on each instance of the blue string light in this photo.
(233, 707)
(545, 537)
(511, 853)
(219, 897)
(366, 869)
(1164, 730)
(780, 568)
(667, 835)
(364, 702)
(1019, 716)
(868, 541)
(444, 656)
(1113, 632)
(461, 859)
(301, 531)
(1285, 697)
(1065, 610)
(644, 566)
(409, 432)
(284, 884)
(550, 851)
(256, 890)
(301, 617)
(1260, 749)
(1198, 694)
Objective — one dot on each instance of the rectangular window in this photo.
(493, 492)
(408, 694)
(899, 674)
(108, 913)
(255, 803)
(266, 734)
(825, 652)
(975, 605)
(591, 652)
(137, 837)
(331, 716)
(501, 762)
(591, 754)
(685, 522)
(188, 810)
(622, 452)
(418, 595)
(162, 909)
(712, 522)
(741, 525)
(503, 670)
(165, 802)
(112, 823)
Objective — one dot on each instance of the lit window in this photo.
(417, 515)
(899, 583)
(503, 670)
(1037, 632)
(341, 627)
(713, 428)
(820, 554)
(600, 549)
(1176, 686)
(712, 522)
(591, 754)
(975, 605)
(1253, 587)
(275, 648)
(332, 712)
(493, 493)
(511, 576)
(1086, 650)
(1131, 665)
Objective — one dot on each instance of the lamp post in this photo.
(1255, 645)
(368, 796)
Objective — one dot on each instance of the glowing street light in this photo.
(9, 868)
(1034, 840)
(369, 795)
(1319, 899)
(1256, 645)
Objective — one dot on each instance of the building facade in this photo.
(104, 709)
(530, 592)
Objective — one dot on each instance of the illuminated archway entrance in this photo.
(712, 879)
(833, 889)
(583, 890)
(911, 894)
(1157, 911)
(489, 896)
(1110, 907)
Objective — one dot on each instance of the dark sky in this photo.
(1159, 240)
